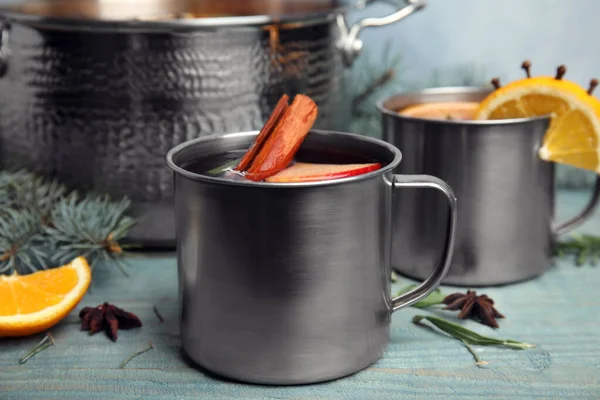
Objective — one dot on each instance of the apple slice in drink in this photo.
(309, 172)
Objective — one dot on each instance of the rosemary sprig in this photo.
(43, 344)
(583, 247)
(468, 336)
(137, 353)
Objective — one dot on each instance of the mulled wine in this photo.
(222, 165)
(458, 111)
(277, 153)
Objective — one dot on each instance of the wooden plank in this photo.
(558, 312)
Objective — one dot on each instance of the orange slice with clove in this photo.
(33, 303)
(573, 137)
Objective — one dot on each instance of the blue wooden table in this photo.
(559, 312)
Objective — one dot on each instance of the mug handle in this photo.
(434, 280)
(583, 216)
(351, 45)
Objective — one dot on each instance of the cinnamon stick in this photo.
(265, 132)
(284, 141)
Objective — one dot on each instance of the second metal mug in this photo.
(289, 283)
(505, 191)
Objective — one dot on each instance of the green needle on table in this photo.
(46, 342)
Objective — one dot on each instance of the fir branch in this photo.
(371, 77)
(10, 181)
(90, 227)
(382, 80)
(41, 196)
(583, 247)
(20, 242)
(23, 190)
(43, 226)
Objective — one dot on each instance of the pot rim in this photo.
(274, 185)
(463, 90)
(182, 24)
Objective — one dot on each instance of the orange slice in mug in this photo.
(573, 137)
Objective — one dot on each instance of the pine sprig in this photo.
(20, 242)
(91, 227)
(585, 248)
(41, 196)
(372, 77)
(9, 184)
(43, 226)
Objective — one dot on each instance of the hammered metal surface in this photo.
(100, 110)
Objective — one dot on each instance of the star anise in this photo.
(109, 317)
(471, 305)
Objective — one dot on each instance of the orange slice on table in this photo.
(33, 303)
(573, 137)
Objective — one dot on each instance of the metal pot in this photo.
(95, 92)
(289, 283)
(506, 193)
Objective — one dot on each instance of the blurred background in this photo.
(493, 37)
(468, 42)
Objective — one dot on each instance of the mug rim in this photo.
(174, 151)
(451, 90)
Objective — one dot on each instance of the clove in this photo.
(527, 67)
(593, 84)
(560, 72)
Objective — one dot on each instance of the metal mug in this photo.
(506, 193)
(289, 283)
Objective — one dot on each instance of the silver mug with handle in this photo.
(506, 193)
(289, 283)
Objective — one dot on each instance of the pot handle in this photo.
(351, 45)
(3, 47)
(434, 280)
(584, 215)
